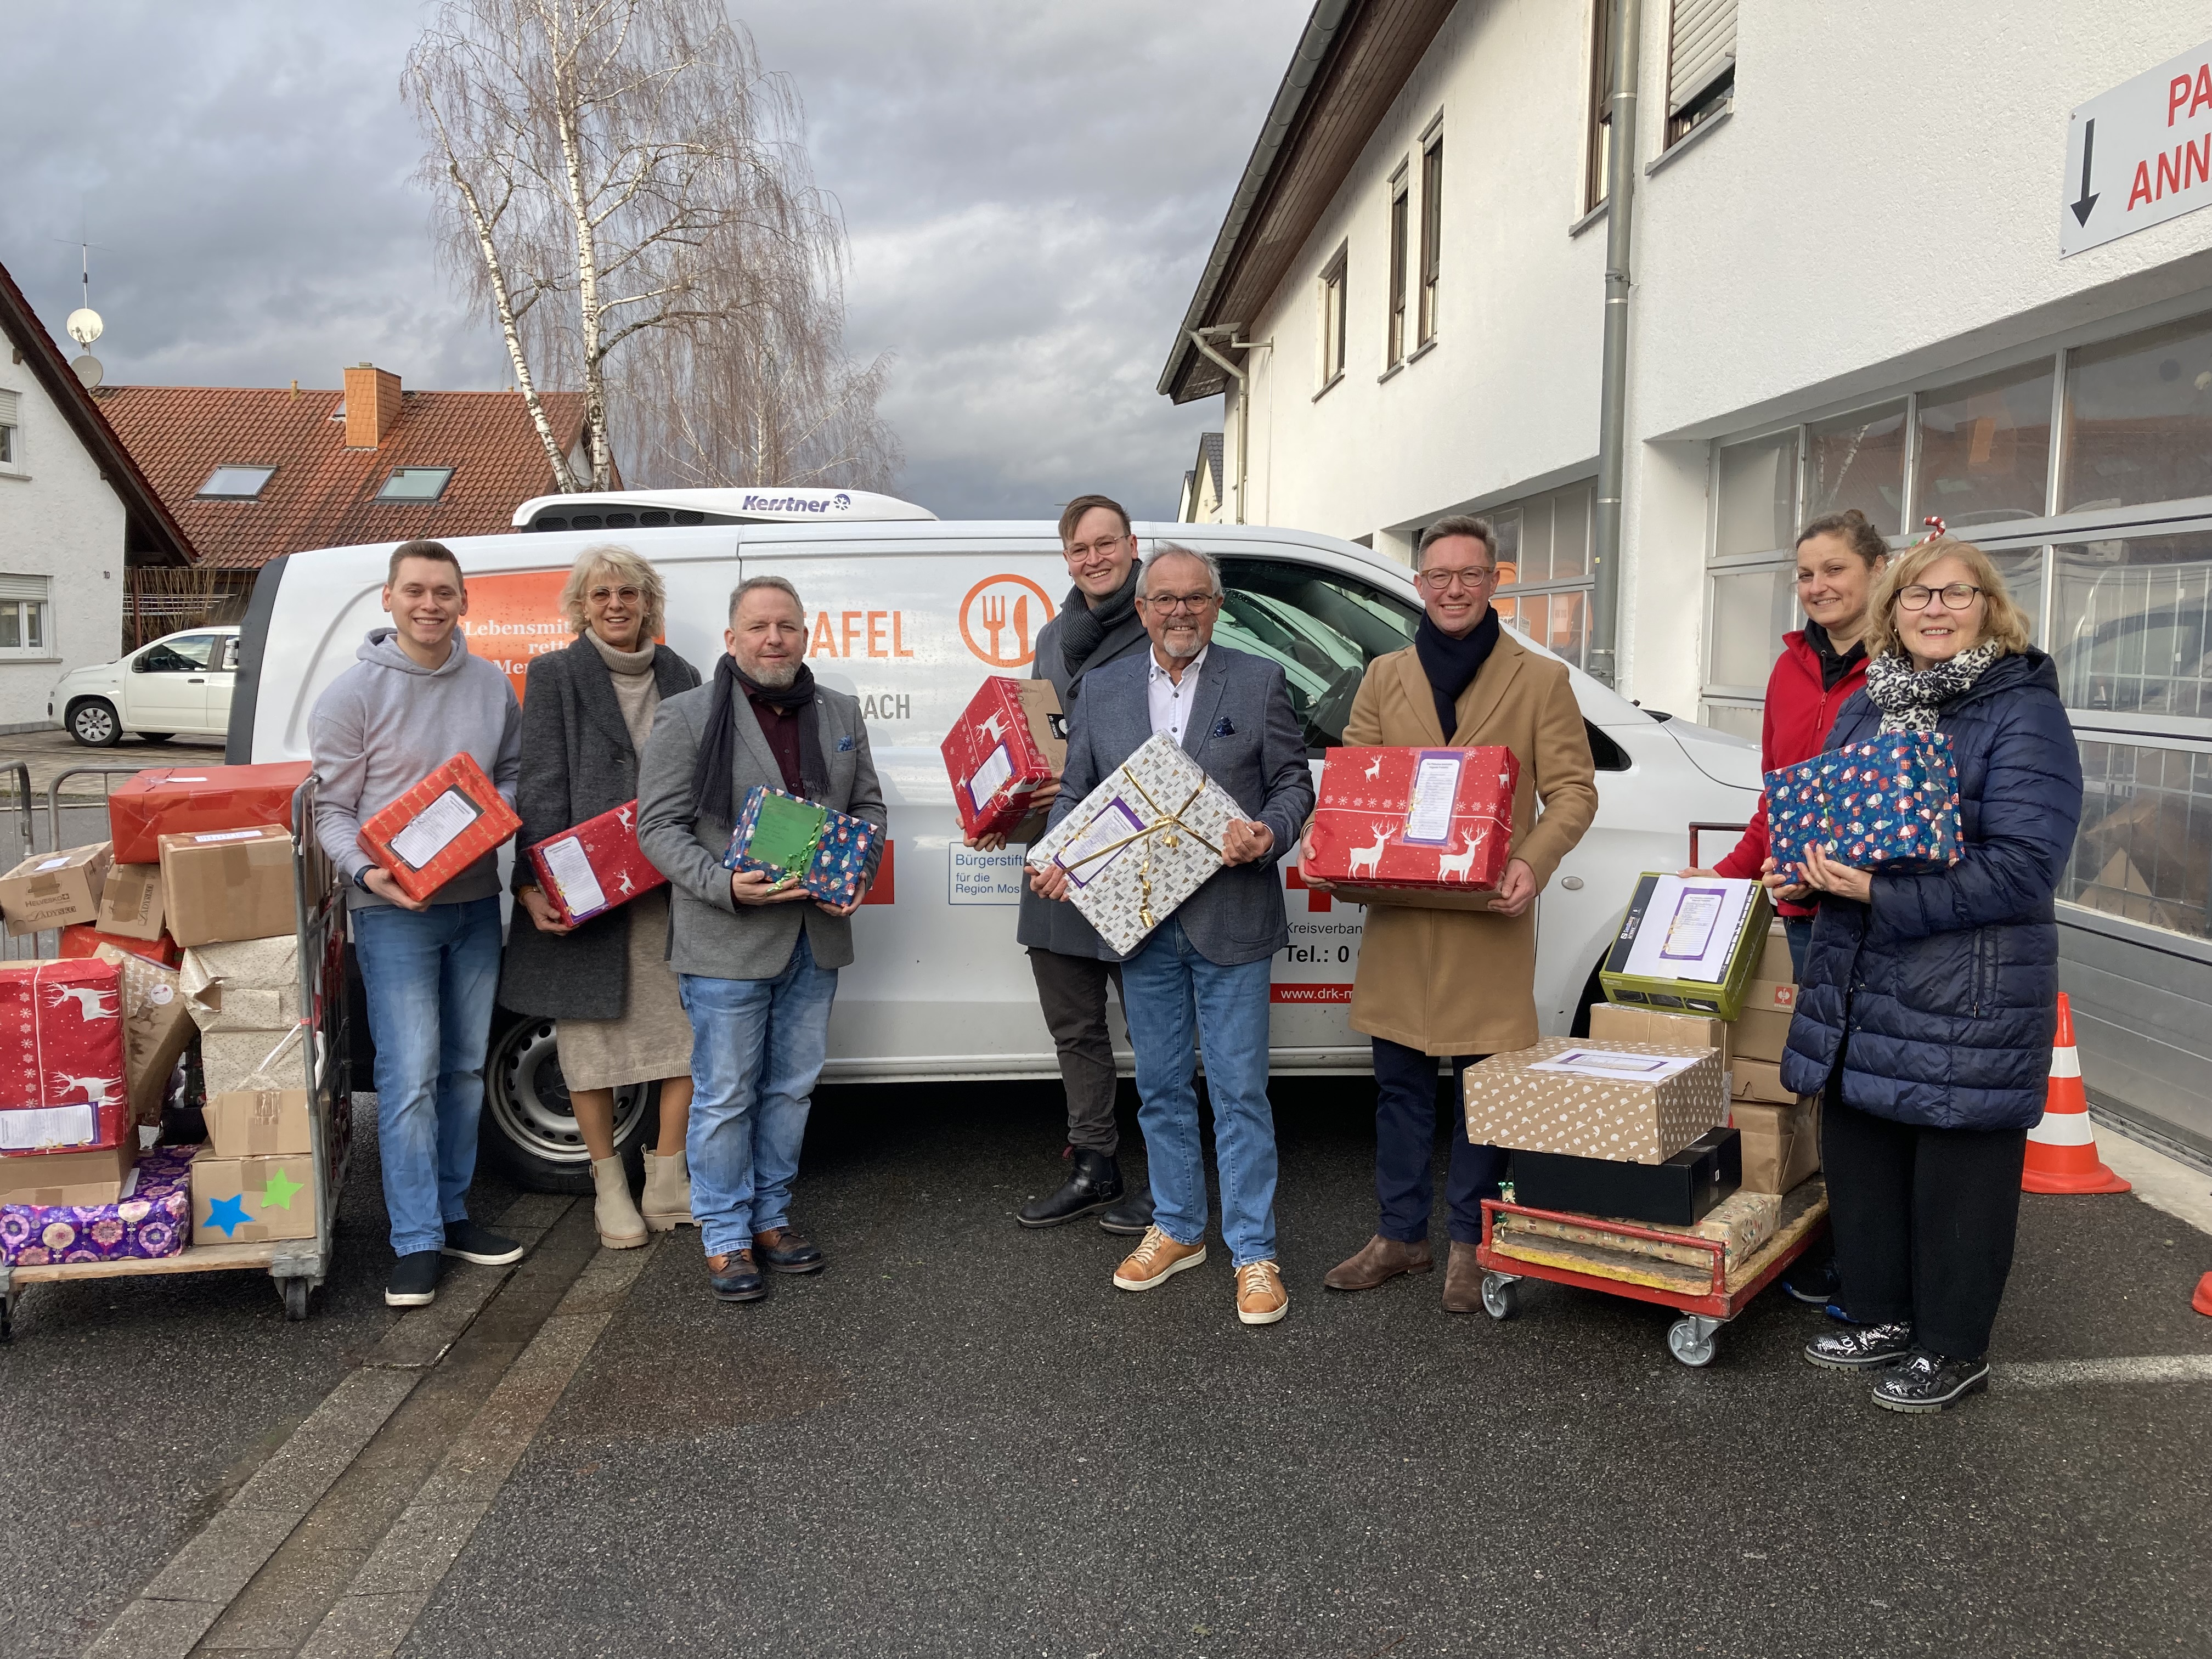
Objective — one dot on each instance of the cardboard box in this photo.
(1762, 1029)
(1010, 740)
(157, 1029)
(1635, 1103)
(1889, 804)
(171, 800)
(1774, 964)
(229, 884)
(1739, 1224)
(133, 904)
(53, 889)
(1780, 1143)
(61, 1057)
(1425, 828)
(438, 828)
(55, 1181)
(1687, 944)
(595, 867)
(1141, 843)
(148, 1220)
(249, 985)
(259, 1123)
(1758, 1079)
(247, 1200)
(1617, 1022)
(828, 853)
(231, 1061)
(1676, 1193)
(85, 940)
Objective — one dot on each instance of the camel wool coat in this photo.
(1463, 981)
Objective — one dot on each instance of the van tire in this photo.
(526, 1132)
(94, 723)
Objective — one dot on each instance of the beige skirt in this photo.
(653, 1040)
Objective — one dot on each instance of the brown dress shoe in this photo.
(1378, 1259)
(1462, 1280)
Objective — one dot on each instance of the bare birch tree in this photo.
(627, 190)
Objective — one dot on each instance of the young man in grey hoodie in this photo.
(413, 700)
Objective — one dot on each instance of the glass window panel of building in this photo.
(2131, 623)
(1983, 449)
(1752, 610)
(2139, 418)
(2144, 850)
(1857, 460)
(1758, 495)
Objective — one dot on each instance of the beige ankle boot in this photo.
(668, 1193)
(621, 1227)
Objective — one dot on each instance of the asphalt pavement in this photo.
(960, 1440)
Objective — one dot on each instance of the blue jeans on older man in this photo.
(756, 1048)
(430, 976)
(1172, 995)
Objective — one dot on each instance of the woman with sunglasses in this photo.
(1928, 1000)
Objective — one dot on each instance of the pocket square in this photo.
(844, 745)
(1223, 728)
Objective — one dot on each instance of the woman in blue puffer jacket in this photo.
(1928, 1002)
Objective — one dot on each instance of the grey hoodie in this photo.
(386, 724)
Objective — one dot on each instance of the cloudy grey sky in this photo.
(1030, 191)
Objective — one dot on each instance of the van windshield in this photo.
(1324, 629)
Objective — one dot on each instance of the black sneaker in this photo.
(487, 1249)
(1924, 1382)
(414, 1282)
(1861, 1346)
(735, 1277)
(1815, 1285)
(1133, 1215)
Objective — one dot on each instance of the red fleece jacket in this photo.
(1799, 713)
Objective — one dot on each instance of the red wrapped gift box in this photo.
(61, 1057)
(177, 801)
(595, 867)
(84, 939)
(1419, 826)
(438, 828)
(1003, 746)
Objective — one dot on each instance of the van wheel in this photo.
(92, 723)
(529, 1128)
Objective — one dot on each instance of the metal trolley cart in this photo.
(1706, 1295)
(297, 1264)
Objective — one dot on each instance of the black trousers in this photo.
(1923, 1222)
(1405, 1148)
(1071, 991)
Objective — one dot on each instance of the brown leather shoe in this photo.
(1462, 1280)
(1156, 1260)
(1379, 1260)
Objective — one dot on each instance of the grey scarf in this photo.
(1086, 625)
(1912, 701)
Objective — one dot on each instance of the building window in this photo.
(1399, 208)
(1983, 448)
(1543, 577)
(416, 484)
(236, 483)
(2144, 849)
(1597, 161)
(1432, 231)
(1332, 322)
(2139, 418)
(11, 434)
(1858, 460)
(1758, 495)
(23, 622)
(1700, 63)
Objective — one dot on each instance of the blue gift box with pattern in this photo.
(783, 835)
(1891, 804)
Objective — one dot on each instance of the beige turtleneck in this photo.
(636, 688)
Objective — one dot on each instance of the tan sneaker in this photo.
(1155, 1261)
(1262, 1296)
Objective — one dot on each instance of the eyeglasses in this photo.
(627, 595)
(1168, 604)
(1102, 547)
(1442, 581)
(1957, 596)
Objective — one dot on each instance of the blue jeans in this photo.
(1406, 1143)
(1170, 995)
(757, 1046)
(430, 976)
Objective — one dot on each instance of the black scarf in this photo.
(1085, 625)
(710, 772)
(1834, 664)
(1452, 665)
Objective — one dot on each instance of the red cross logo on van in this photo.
(1001, 617)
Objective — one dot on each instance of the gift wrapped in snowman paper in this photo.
(1141, 843)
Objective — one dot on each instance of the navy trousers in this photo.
(1406, 1088)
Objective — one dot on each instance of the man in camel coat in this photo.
(1460, 983)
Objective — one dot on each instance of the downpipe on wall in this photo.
(1613, 398)
(1202, 339)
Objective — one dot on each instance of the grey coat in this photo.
(710, 933)
(577, 762)
(1242, 731)
(1047, 924)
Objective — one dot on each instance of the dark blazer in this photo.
(1047, 924)
(1243, 734)
(1948, 983)
(577, 762)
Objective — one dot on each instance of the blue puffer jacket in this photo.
(1948, 983)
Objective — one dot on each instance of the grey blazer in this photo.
(577, 762)
(1047, 924)
(709, 933)
(1243, 733)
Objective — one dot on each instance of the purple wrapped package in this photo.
(154, 1218)
(1887, 804)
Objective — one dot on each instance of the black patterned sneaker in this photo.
(487, 1249)
(414, 1282)
(1857, 1348)
(1923, 1382)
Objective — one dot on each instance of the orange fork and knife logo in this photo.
(1001, 617)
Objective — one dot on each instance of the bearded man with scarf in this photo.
(757, 961)
(1457, 983)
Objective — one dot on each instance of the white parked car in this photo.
(179, 683)
(909, 614)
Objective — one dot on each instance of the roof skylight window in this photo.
(415, 484)
(236, 483)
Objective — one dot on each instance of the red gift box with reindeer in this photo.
(61, 1057)
(1008, 741)
(1429, 827)
(593, 868)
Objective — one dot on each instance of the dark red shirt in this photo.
(780, 728)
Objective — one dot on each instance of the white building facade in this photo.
(1848, 292)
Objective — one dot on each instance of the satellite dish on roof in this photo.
(89, 373)
(84, 325)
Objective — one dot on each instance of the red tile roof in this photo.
(324, 493)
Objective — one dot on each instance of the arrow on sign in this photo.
(2087, 205)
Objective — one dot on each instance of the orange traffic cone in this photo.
(2203, 1300)
(2062, 1150)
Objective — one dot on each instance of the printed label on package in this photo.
(1088, 856)
(990, 777)
(226, 834)
(51, 864)
(1436, 787)
(1609, 1062)
(435, 828)
(38, 1127)
(570, 867)
(1690, 929)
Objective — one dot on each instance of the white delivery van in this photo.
(909, 613)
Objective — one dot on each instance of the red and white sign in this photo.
(2139, 155)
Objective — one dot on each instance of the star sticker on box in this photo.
(277, 1195)
(228, 1213)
